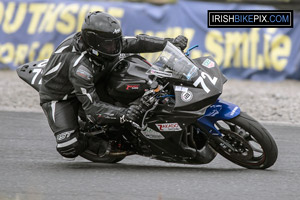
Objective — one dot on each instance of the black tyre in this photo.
(105, 159)
(245, 142)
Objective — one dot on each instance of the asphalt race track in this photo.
(31, 169)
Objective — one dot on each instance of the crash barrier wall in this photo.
(30, 30)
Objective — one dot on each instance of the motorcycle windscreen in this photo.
(174, 64)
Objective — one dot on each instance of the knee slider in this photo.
(70, 144)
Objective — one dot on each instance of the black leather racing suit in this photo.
(68, 83)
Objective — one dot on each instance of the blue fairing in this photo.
(221, 110)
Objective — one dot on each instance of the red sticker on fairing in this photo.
(132, 87)
(168, 127)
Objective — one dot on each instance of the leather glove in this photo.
(180, 41)
(133, 113)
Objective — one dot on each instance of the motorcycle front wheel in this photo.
(245, 142)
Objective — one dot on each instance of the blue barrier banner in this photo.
(31, 30)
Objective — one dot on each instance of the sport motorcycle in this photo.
(185, 120)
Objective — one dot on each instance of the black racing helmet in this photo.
(102, 34)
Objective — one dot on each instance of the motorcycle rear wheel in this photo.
(105, 159)
(250, 144)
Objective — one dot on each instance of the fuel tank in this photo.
(128, 80)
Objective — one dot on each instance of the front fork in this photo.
(220, 110)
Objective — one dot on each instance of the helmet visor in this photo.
(108, 46)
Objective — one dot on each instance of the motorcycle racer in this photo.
(79, 62)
